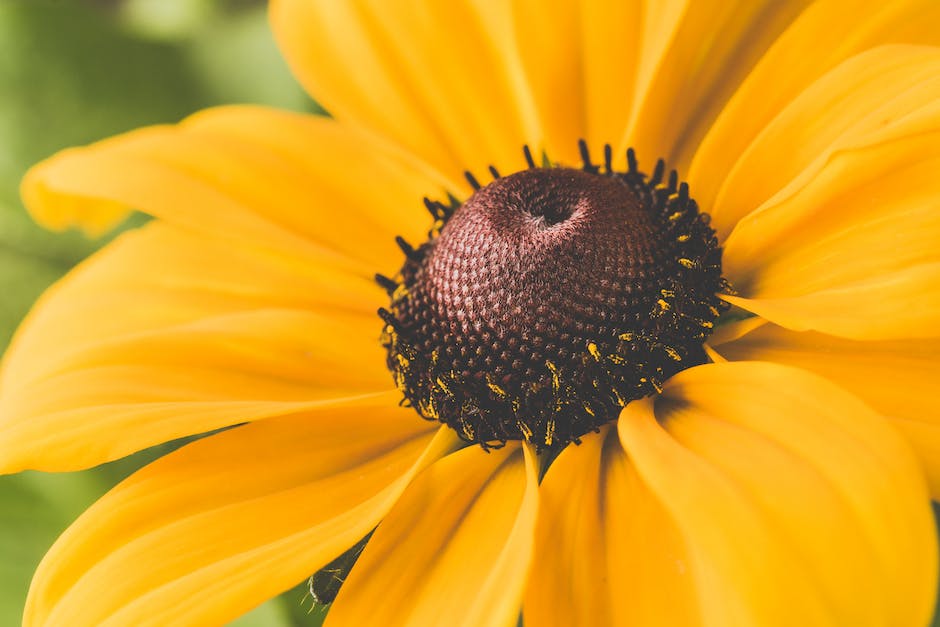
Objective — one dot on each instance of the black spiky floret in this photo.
(550, 299)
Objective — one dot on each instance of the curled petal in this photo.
(286, 181)
(846, 246)
(835, 30)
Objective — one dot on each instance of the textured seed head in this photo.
(548, 300)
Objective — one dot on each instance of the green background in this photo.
(71, 72)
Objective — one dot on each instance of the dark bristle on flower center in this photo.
(550, 299)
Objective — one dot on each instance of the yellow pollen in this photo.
(556, 381)
(467, 429)
(595, 352)
(524, 428)
(495, 389)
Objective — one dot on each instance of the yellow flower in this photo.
(783, 486)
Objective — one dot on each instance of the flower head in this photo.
(649, 416)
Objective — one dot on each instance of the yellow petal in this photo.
(454, 550)
(167, 333)
(898, 378)
(440, 78)
(851, 251)
(647, 74)
(823, 36)
(284, 180)
(606, 552)
(215, 528)
(858, 103)
(692, 57)
(570, 53)
(798, 503)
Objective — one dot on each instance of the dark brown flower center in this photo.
(549, 300)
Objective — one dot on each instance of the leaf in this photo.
(238, 61)
(34, 509)
(270, 614)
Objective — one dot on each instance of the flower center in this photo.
(550, 299)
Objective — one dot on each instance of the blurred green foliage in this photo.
(71, 72)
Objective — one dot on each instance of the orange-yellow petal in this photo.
(798, 503)
(215, 528)
(570, 54)
(647, 74)
(833, 30)
(283, 180)
(606, 551)
(849, 246)
(693, 56)
(454, 550)
(167, 333)
(864, 101)
(439, 78)
(898, 378)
